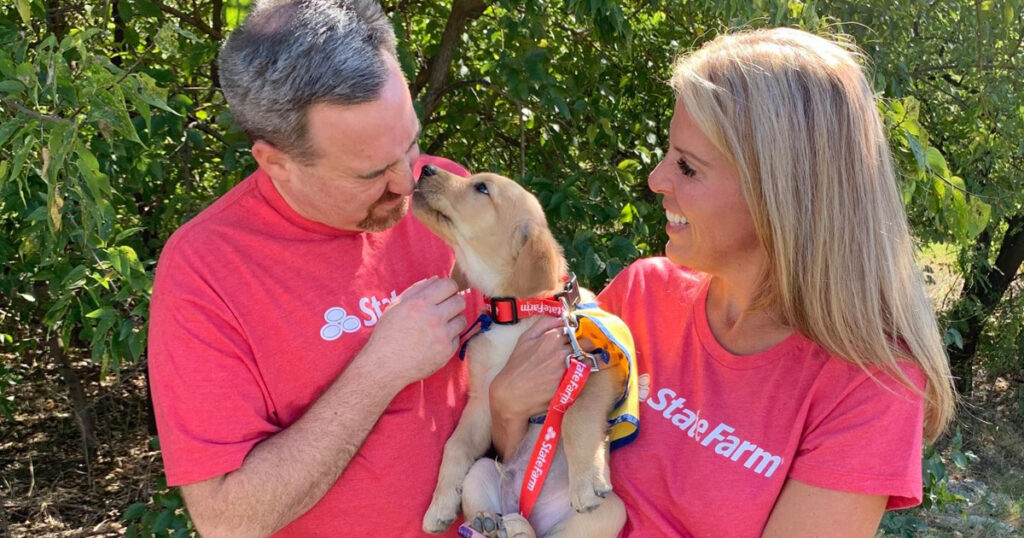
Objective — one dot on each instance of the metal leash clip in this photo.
(569, 326)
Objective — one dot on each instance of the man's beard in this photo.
(378, 223)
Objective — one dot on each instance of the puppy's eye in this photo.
(482, 188)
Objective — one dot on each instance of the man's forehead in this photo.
(362, 138)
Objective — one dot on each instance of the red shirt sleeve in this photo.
(867, 440)
(210, 404)
(440, 162)
(610, 298)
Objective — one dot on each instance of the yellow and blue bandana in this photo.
(611, 334)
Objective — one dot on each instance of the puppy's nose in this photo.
(428, 171)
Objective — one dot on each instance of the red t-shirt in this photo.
(721, 433)
(255, 311)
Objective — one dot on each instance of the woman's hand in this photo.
(525, 385)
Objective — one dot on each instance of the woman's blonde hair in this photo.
(796, 115)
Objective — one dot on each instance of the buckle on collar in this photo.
(502, 316)
(571, 292)
(588, 359)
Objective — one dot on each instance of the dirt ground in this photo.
(46, 486)
(992, 486)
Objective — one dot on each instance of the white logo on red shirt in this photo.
(340, 322)
(725, 445)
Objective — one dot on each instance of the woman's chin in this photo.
(677, 255)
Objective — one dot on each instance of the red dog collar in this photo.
(509, 310)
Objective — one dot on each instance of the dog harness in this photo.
(614, 348)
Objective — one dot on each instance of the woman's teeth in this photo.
(676, 219)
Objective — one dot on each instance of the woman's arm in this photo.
(526, 384)
(804, 511)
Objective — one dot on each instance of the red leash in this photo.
(544, 450)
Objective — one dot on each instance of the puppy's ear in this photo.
(539, 265)
(459, 277)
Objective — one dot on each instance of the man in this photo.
(302, 326)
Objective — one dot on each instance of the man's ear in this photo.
(539, 264)
(276, 163)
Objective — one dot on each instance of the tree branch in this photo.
(193, 20)
(433, 78)
(37, 115)
(125, 75)
(983, 290)
(949, 67)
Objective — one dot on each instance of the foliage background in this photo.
(114, 133)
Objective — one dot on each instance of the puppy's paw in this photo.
(488, 524)
(442, 512)
(516, 526)
(492, 525)
(589, 490)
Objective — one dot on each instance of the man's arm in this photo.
(286, 474)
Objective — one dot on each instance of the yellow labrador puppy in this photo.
(503, 248)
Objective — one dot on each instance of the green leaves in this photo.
(24, 10)
(957, 212)
(163, 515)
(89, 170)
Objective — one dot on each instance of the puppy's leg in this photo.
(516, 526)
(481, 490)
(605, 521)
(468, 442)
(585, 430)
(482, 504)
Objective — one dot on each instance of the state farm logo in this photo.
(538, 468)
(574, 384)
(339, 321)
(541, 308)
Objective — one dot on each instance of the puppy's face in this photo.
(498, 230)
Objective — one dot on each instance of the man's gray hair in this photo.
(290, 54)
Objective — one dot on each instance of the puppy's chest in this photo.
(488, 352)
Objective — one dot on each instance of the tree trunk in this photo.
(218, 34)
(150, 411)
(433, 77)
(5, 531)
(119, 34)
(983, 289)
(80, 407)
(55, 21)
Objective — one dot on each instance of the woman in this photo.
(789, 358)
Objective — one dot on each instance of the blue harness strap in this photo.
(484, 321)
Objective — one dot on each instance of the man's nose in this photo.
(403, 183)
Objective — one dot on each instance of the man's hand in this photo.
(286, 474)
(419, 331)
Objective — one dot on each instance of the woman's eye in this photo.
(685, 168)
(482, 188)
